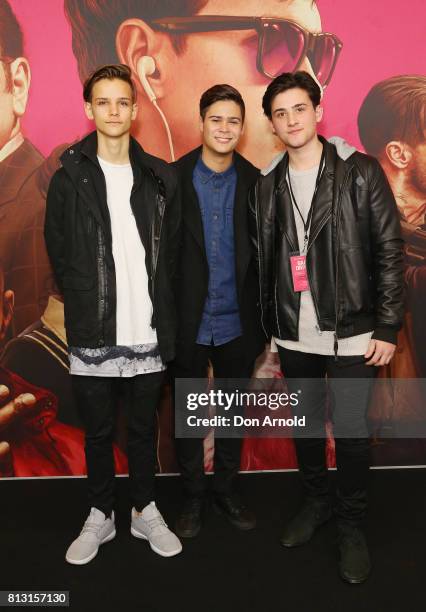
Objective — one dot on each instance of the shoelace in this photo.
(90, 527)
(157, 522)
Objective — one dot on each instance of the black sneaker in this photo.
(355, 564)
(237, 513)
(302, 527)
(188, 523)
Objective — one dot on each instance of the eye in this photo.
(300, 110)
(124, 103)
(101, 102)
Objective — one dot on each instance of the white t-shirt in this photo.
(134, 306)
(311, 338)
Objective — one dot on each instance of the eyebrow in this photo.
(299, 105)
(222, 117)
(101, 98)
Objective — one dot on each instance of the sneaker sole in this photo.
(142, 536)
(108, 538)
(350, 580)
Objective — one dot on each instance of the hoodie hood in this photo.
(343, 148)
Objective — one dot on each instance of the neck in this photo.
(114, 150)
(306, 157)
(216, 161)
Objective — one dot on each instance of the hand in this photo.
(9, 412)
(379, 352)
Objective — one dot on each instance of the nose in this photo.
(113, 110)
(292, 118)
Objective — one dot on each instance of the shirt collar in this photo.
(11, 146)
(206, 174)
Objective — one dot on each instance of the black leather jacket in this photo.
(354, 253)
(79, 243)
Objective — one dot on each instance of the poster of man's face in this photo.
(48, 49)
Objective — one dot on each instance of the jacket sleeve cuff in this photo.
(387, 334)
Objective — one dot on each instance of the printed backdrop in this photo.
(41, 111)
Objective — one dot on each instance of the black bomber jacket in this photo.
(79, 243)
(354, 254)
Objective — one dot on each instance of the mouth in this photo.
(223, 140)
(114, 122)
(295, 131)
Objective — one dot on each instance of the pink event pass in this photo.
(298, 271)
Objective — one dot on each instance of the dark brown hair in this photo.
(111, 71)
(11, 39)
(218, 93)
(394, 109)
(94, 24)
(291, 80)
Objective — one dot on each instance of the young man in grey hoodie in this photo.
(329, 251)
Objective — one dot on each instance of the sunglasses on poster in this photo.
(282, 44)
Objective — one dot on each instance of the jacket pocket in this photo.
(355, 278)
(80, 302)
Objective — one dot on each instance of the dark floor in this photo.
(222, 570)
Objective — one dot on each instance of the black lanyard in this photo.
(307, 223)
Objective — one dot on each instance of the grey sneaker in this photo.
(96, 530)
(149, 525)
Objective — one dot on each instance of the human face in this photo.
(229, 57)
(221, 127)
(417, 168)
(7, 114)
(111, 107)
(294, 118)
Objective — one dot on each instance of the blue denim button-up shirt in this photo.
(216, 194)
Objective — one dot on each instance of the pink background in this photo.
(381, 38)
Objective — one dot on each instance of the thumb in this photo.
(371, 348)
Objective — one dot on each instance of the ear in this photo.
(8, 304)
(272, 127)
(319, 113)
(88, 110)
(201, 124)
(21, 79)
(136, 39)
(399, 154)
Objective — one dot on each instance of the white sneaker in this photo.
(149, 525)
(96, 530)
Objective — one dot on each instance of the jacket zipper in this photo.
(102, 281)
(156, 250)
(259, 248)
(276, 307)
(336, 298)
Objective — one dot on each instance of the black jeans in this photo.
(349, 403)
(95, 397)
(228, 361)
